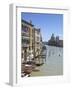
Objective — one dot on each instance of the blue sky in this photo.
(48, 23)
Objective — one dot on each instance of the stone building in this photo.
(37, 41)
(31, 40)
(26, 38)
(55, 41)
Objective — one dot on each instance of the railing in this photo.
(25, 37)
(25, 33)
(25, 45)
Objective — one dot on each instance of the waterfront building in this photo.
(37, 41)
(52, 37)
(31, 40)
(55, 41)
(26, 39)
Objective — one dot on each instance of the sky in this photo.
(48, 23)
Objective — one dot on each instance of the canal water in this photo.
(53, 64)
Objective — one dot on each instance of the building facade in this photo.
(37, 40)
(55, 41)
(31, 40)
(26, 39)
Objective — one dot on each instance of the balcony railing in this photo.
(25, 33)
(25, 37)
(25, 45)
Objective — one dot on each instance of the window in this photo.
(25, 28)
(25, 41)
(37, 38)
(37, 32)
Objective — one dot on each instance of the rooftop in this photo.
(27, 22)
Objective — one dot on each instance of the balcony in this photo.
(25, 33)
(37, 41)
(25, 45)
(25, 42)
(25, 37)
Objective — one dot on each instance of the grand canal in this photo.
(53, 64)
